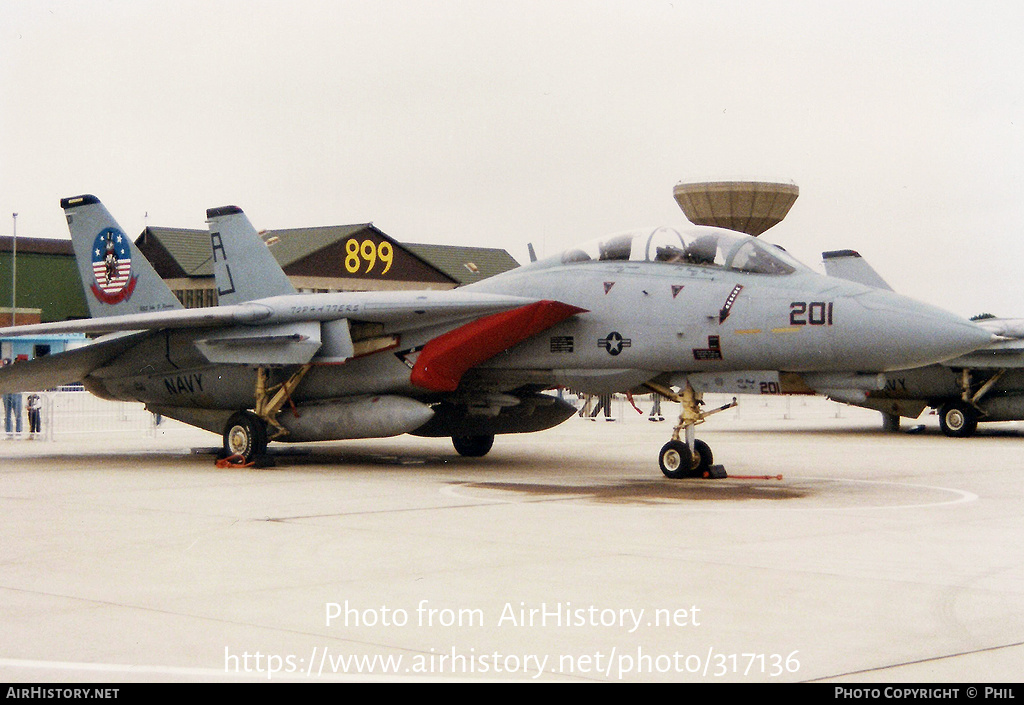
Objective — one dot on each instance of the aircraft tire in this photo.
(958, 420)
(473, 446)
(677, 461)
(246, 435)
(706, 458)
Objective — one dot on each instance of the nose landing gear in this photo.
(692, 457)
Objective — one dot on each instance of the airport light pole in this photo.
(14, 270)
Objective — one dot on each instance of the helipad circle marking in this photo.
(959, 497)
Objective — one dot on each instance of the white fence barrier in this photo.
(70, 414)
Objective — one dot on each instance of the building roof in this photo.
(37, 245)
(465, 264)
(177, 252)
(295, 244)
(180, 253)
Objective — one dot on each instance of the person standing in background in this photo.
(605, 403)
(12, 410)
(35, 416)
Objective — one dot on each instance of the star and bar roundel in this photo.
(112, 267)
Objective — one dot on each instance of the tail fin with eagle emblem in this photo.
(116, 277)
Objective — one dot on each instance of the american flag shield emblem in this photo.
(112, 267)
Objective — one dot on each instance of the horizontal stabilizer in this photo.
(849, 265)
(63, 368)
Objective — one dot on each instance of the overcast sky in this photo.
(511, 121)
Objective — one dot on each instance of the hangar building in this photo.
(324, 259)
(332, 258)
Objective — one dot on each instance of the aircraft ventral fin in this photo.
(446, 358)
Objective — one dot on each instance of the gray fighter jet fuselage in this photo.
(646, 309)
(644, 319)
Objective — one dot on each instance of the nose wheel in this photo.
(678, 461)
(691, 457)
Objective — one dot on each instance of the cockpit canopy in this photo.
(706, 247)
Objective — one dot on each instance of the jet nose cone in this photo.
(908, 333)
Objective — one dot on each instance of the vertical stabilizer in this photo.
(849, 265)
(116, 277)
(243, 266)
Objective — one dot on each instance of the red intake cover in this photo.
(444, 360)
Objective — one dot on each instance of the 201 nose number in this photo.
(810, 313)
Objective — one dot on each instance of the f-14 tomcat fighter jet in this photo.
(637, 311)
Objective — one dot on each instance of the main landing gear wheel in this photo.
(677, 461)
(958, 420)
(245, 435)
(473, 446)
